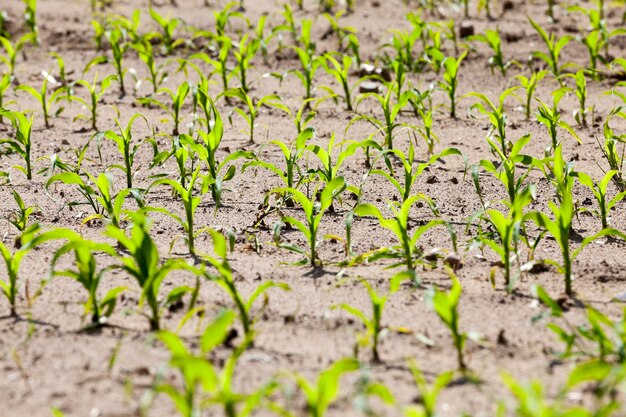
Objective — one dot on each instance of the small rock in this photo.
(508, 5)
(370, 87)
(453, 260)
(432, 180)
(466, 29)
(375, 3)
(502, 340)
(454, 180)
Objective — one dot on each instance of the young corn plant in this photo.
(321, 394)
(119, 47)
(492, 39)
(89, 276)
(446, 305)
(13, 260)
(44, 101)
(550, 116)
(20, 218)
(497, 118)
(5, 83)
(599, 190)
(98, 194)
(178, 100)
(341, 72)
(411, 173)
(428, 394)
(207, 153)
(292, 175)
(191, 199)
(143, 263)
(30, 18)
(166, 35)
(505, 239)
(555, 47)
(21, 144)
(612, 154)
(580, 114)
(308, 60)
(224, 278)
(391, 111)
(157, 73)
(449, 84)
(95, 97)
(529, 84)
(313, 213)
(12, 51)
(125, 147)
(407, 249)
(374, 329)
(253, 110)
(244, 52)
(197, 372)
(561, 227)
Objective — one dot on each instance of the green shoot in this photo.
(428, 394)
(125, 147)
(550, 116)
(168, 26)
(244, 52)
(599, 190)
(20, 218)
(178, 100)
(21, 143)
(445, 305)
(12, 51)
(529, 84)
(555, 47)
(143, 263)
(95, 97)
(450, 81)
(313, 215)
(253, 110)
(492, 39)
(42, 97)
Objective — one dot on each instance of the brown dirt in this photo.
(46, 361)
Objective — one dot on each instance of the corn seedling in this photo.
(253, 110)
(329, 169)
(119, 47)
(374, 328)
(308, 61)
(340, 32)
(561, 227)
(12, 261)
(143, 263)
(428, 393)
(391, 112)
(450, 81)
(426, 130)
(204, 384)
(87, 274)
(190, 203)
(125, 147)
(599, 190)
(12, 51)
(207, 154)
(612, 154)
(529, 84)
(178, 100)
(580, 114)
(411, 173)
(507, 229)
(97, 193)
(292, 175)
(30, 18)
(313, 212)
(492, 39)
(166, 36)
(21, 143)
(262, 39)
(95, 97)
(407, 248)
(497, 118)
(446, 305)
(5, 83)
(555, 47)
(507, 171)
(20, 218)
(42, 97)
(550, 116)
(158, 73)
(224, 278)
(245, 50)
(341, 72)
(223, 18)
(321, 394)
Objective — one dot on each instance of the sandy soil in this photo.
(47, 361)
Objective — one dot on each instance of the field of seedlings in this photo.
(312, 207)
